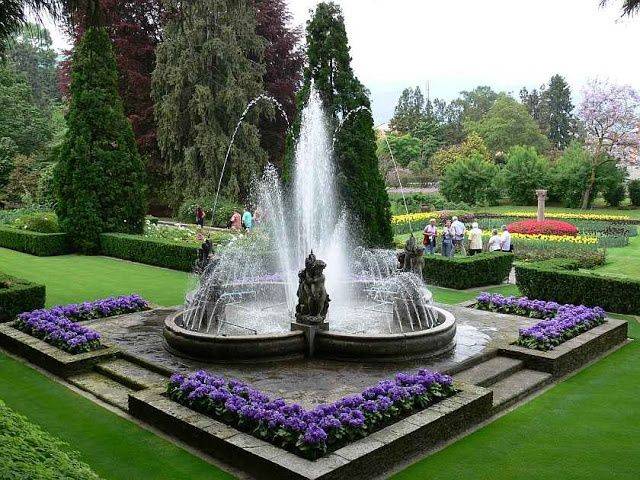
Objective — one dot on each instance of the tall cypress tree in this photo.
(359, 180)
(208, 68)
(560, 123)
(100, 176)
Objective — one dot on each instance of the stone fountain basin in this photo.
(328, 344)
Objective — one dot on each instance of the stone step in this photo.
(514, 388)
(105, 388)
(130, 374)
(489, 372)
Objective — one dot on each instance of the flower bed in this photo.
(107, 307)
(58, 331)
(561, 322)
(546, 227)
(310, 433)
(569, 216)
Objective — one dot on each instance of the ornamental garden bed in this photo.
(18, 295)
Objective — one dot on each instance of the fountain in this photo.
(265, 296)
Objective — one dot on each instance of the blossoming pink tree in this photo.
(610, 115)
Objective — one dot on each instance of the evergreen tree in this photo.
(559, 121)
(409, 110)
(359, 180)
(99, 179)
(205, 76)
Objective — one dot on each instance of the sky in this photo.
(457, 45)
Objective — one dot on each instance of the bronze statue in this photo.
(313, 300)
(411, 259)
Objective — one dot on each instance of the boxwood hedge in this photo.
(17, 296)
(161, 253)
(467, 272)
(561, 281)
(35, 243)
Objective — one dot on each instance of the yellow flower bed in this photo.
(568, 216)
(581, 239)
(413, 217)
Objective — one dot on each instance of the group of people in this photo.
(453, 238)
(237, 222)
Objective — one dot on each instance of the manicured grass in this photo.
(584, 428)
(624, 262)
(450, 296)
(114, 447)
(76, 278)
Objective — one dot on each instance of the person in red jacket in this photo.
(199, 216)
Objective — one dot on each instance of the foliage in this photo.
(405, 148)
(8, 150)
(634, 192)
(471, 180)
(30, 452)
(570, 176)
(506, 125)
(545, 227)
(467, 272)
(35, 243)
(408, 111)
(209, 66)
(100, 175)
(17, 296)
(43, 222)
(416, 201)
(161, 253)
(184, 235)
(224, 209)
(561, 281)
(23, 180)
(524, 173)
(613, 189)
(472, 145)
(45, 190)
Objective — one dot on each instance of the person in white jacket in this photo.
(475, 239)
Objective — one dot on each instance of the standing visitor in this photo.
(458, 234)
(247, 219)
(475, 239)
(236, 221)
(257, 216)
(200, 216)
(505, 240)
(430, 235)
(447, 239)
(494, 241)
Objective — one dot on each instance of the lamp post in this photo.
(542, 197)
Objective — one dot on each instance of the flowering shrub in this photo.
(569, 216)
(546, 227)
(58, 331)
(309, 433)
(561, 322)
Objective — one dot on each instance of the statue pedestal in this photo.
(309, 325)
(542, 198)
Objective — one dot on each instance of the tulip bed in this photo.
(560, 322)
(546, 227)
(310, 433)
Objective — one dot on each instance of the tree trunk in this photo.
(586, 196)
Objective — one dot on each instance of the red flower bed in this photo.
(546, 227)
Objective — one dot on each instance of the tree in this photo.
(8, 150)
(99, 178)
(406, 148)
(524, 172)
(449, 118)
(477, 103)
(629, 7)
(205, 76)
(359, 180)
(559, 123)
(570, 176)
(409, 111)
(506, 125)
(471, 180)
(610, 117)
(535, 106)
(473, 144)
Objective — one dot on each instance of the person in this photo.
(430, 235)
(204, 254)
(200, 216)
(494, 241)
(458, 234)
(475, 239)
(447, 239)
(257, 216)
(236, 221)
(505, 240)
(247, 219)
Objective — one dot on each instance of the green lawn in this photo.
(623, 261)
(76, 278)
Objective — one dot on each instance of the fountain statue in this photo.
(411, 259)
(313, 301)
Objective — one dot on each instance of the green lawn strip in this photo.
(450, 296)
(584, 428)
(114, 447)
(77, 278)
(624, 262)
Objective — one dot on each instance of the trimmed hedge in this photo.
(561, 281)
(31, 453)
(160, 253)
(35, 243)
(467, 272)
(17, 296)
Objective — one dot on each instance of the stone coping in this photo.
(48, 356)
(363, 459)
(573, 353)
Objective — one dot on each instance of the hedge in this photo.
(17, 296)
(35, 243)
(161, 253)
(31, 453)
(467, 272)
(561, 281)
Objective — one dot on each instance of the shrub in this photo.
(43, 222)
(524, 172)
(471, 180)
(634, 192)
(161, 253)
(571, 175)
(546, 227)
(467, 272)
(561, 281)
(224, 210)
(17, 296)
(29, 452)
(34, 243)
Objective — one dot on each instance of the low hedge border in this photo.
(461, 273)
(160, 253)
(18, 295)
(561, 281)
(34, 243)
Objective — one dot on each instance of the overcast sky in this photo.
(458, 45)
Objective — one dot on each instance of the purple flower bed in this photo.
(107, 307)
(310, 433)
(561, 322)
